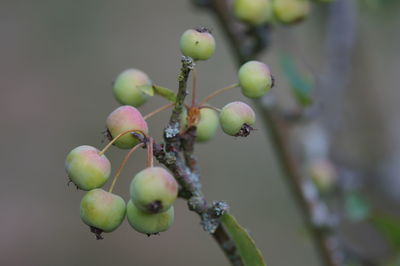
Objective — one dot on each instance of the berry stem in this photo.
(218, 92)
(210, 107)
(194, 86)
(165, 92)
(150, 158)
(162, 108)
(117, 137)
(118, 173)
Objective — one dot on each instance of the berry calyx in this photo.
(198, 44)
(148, 223)
(153, 190)
(132, 87)
(291, 11)
(102, 211)
(255, 79)
(123, 119)
(254, 12)
(86, 168)
(236, 119)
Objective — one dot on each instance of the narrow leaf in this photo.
(301, 84)
(389, 227)
(250, 254)
(147, 89)
(357, 206)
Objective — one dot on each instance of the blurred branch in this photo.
(336, 73)
(341, 33)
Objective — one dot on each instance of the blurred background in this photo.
(57, 62)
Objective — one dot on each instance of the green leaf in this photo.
(147, 89)
(389, 227)
(301, 84)
(250, 254)
(357, 206)
(165, 92)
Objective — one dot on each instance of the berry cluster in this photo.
(259, 12)
(154, 190)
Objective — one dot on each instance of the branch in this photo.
(186, 172)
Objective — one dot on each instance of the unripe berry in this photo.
(207, 125)
(122, 119)
(236, 119)
(154, 190)
(322, 173)
(102, 211)
(254, 12)
(86, 168)
(291, 11)
(198, 44)
(148, 223)
(255, 79)
(129, 87)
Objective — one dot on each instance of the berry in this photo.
(154, 190)
(207, 125)
(236, 119)
(122, 119)
(291, 11)
(255, 79)
(198, 44)
(130, 86)
(322, 173)
(102, 211)
(148, 223)
(86, 168)
(254, 12)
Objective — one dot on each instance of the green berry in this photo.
(254, 12)
(102, 211)
(291, 11)
(130, 87)
(255, 79)
(148, 223)
(208, 124)
(154, 190)
(198, 44)
(236, 119)
(122, 119)
(86, 168)
(322, 173)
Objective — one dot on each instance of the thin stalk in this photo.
(218, 92)
(210, 107)
(118, 173)
(160, 109)
(117, 137)
(150, 157)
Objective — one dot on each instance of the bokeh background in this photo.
(57, 61)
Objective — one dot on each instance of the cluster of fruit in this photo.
(154, 190)
(258, 12)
